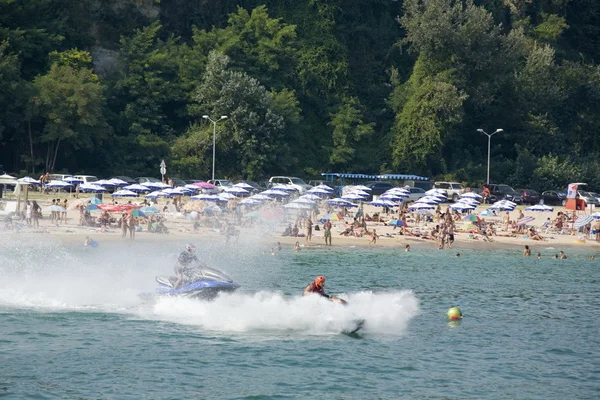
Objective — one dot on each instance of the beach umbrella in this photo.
(284, 188)
(260, 197)
(236, 190)
(205, 197)
(311, 197)
(486, 213)
(353, 197)
(340, 203)
(303, 200)
(539, 207)
(525, 220)
(137, 188)
(393, 197)
(362, 187)
(214, 210)
(462, 207)
(118, 182)
(204, 185)
(192, 187)
(470, 195)
(6, 179)
(55, 209)
(472, 217)
(378, 203)
(582, 221)
(396, 222)
(155, 185)
(176, 191)
(156, 194)
(124, 193)
(149, 210)
(226, 196)
(297, 206)
(360, 192)
(325, 187)
(334, 217)
(90, 187)
(596, 215)
(94, 200)
(104, 182)
(92, 207)
(28, 181)
(136, 212)
(435, 191)
(421, 206)
(72, 180)
(274, 193)
(249, 202)
(318, 190)
(57, 185)
(244, 185)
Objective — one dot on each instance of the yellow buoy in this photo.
(454, 313)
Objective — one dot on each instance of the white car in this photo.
(221, 184)
(453, 190)
(87, 178)
(295, 183)
(415, 193)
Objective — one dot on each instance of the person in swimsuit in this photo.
(186, 258)
(317, 287)
(327, 232)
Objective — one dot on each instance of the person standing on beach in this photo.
(374, 237)
(35, 213)
(327, 232)
(28, 213)
(64, 213)
(309, 225)
(124, 225)
(132, 223)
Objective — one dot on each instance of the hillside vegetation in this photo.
(111, 87)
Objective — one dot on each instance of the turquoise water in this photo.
(73, 327)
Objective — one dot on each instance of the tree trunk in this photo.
(48, 159)
(31, 149)
(55, 153)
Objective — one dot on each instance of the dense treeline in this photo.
(114, 86)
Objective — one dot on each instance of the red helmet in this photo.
(320, 281)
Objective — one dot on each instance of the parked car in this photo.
(257, 186)
(377, 188)
(144, 179)
(87, 178)
(492, 198)
(596, 195)
(587, 197)
(221, 184)
(129, 180)
(554, 198)
(415, 193)
(452, 189)
(290, 181)
(177, 182)
(529, 196)
(58, 177)
(505, 192)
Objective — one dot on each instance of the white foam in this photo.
(387, 313)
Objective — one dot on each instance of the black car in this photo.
(378, 188)
(505, 192)
(554, 197)
(529, 196)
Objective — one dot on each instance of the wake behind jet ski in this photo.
(193, 278)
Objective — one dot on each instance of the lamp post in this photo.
(489, 135)
(214, 139)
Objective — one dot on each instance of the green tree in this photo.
(70, 102)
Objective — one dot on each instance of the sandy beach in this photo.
(268, 233)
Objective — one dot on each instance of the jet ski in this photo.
(202, 283)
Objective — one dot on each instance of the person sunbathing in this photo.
(532, 234)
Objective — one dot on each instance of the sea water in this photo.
(72, 325)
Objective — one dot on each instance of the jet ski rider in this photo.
(186, 258)
(317, 287)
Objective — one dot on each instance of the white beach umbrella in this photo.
(539, 207)
(124, 193)
(28, 181)
(471, 195)
(137, 188)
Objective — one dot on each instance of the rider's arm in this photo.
(307, 290)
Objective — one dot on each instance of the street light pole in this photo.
(489, 135)
(214, 139)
